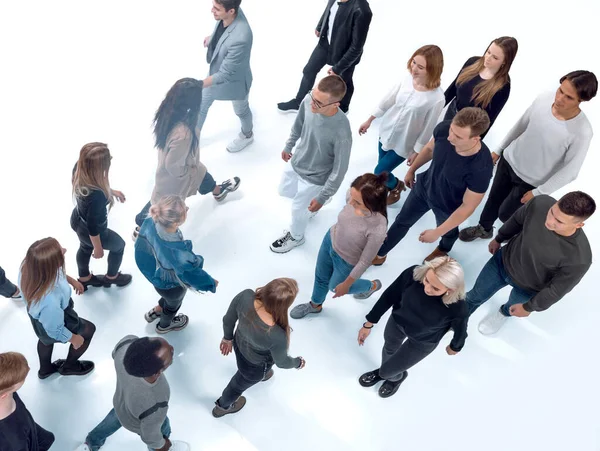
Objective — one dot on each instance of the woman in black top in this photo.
(483, 81)
(427, 301)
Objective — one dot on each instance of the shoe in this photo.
(240, 143)
(492, 323)
(238, 405)
(472, 233)
(95, 281)
(394, 194)
(289, 107)
(83, 447)
(368, 294)
(378, 261)
(121, 280)
(228, 186)
(80, 368)
(286, 243)
(269, 375)
(152, 316)
(301, 310)
(388, 388)
(17, 295)
(55, 367)
(136, 233)
(369, 379)
(435, 254)
(177, 323)
(177, 445)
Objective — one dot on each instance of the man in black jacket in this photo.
(342, 32)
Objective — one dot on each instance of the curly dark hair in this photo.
(141, 359)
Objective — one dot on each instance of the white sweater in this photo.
(409, 117)
(545, 151)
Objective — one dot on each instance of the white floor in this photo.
(74, 73)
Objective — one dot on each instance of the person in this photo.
(452, 187)
(18, 429)
(483, 81)
(230, 77)
(179, 171)
(261, 339)
(409, 114)
(7, 288)
(350, 245)
(89, 220)
(542, 153)
(319, 163)
(45, 287)
(167, 261)
(426, 301)
(342, 33)
(546, 256)
(141, 399)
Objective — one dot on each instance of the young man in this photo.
(230, 76)
(141, 399)
(342, 32)
(542, 153)
(319, 163)
(18, 431)
(546, 257)
(7, 288)
(452, 187)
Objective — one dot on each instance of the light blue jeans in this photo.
(240, 107)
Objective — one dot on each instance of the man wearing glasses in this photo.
(319, 163)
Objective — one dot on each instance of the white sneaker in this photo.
(177, 445)
(83, 447)
(286, 243)
(492, 323)
(240, 143)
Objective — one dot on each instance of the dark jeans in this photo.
(207, 186)
(247, 375)
(388, 161)
(415, 206)
(86, 330)
(7, 288)
(317, 61)
(505, 196)
(170, 303)
(400, 352)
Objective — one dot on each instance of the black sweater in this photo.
(424, 318)
(91, 209)
(19, 432)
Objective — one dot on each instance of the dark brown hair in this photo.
(373, 191)
(474, 118)
(585, 83)
(230, 4)
(13, 370)
(577, 204)
(334, 86)
(277, 297)
(40, 269)
(435, 64)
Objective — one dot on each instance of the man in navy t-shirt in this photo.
(452, 187)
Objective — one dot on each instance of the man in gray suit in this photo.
(230, 76)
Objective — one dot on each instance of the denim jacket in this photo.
(169, 264)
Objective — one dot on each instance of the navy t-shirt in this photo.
(18, 431)
(450, 174)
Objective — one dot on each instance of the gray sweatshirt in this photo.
(322, 156)
(140, 406)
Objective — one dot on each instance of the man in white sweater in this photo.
(543, 152)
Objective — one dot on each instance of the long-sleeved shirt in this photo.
(409, 117)
(545, 151)
(92, 210)
(19, 432)
(424, 318)
(141, 406)
(258, 342)
(540, 260)
(323, 154)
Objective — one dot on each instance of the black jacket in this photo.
(349, 33)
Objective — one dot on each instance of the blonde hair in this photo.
(13, 370)
(92, 171)
(435, 64)
(168, 210)
(277, 297)
(449, 272)
(40, 269)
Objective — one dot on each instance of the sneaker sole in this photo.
(150, 320)
(217, 414)
(172, 329)
(368, 294)
(236, 151)
(277, 251)
(233, 190)
(287, 111)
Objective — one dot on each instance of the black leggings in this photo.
(86, 330)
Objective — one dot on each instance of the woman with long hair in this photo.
(350, 246)
(179, 171)
(169, 263)
(409, 114)
(45, 288)
(483, 81)
(261, 339)
(426, 301)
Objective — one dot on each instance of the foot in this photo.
(152, 316)
(435, 254)
(289, 107)
(472, 233)
(17, 295)
(238, 405)
(240, 143)
(177, 445)
(135, 234)
(286, 243)
(378, 261)
(388, 388)
(269, 375)
(94, 281)
(120, 280)
(228, 186)
(375, 286)
(301, 310)
(179, 322)
(79, 368)
(492, 323)
(56, 365)
(394, 194)
(369, 379)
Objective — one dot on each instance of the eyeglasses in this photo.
(318, 104)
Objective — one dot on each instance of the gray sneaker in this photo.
(179, 322)
(301, 310)
(367, 294)
(474, 232)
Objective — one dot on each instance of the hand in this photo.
(98, 253)
(493, 246)
(167, 445)
(429, 236)
(302, 363)
(206, 41)
(285, 156)
(364, 127)
(527, 197)
(341, 290)
(317, 34)
(449, 351)
(518, 311)
(119, 195)
(76, 341)
(314, 206)
(363, 333)
(331, 72)
(226, 346)
(409, 179)
(411, 158)
(495, 158)
(78, 286)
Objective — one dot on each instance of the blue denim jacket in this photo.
(169, 264)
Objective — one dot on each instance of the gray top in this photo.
(258, 342)
(322, 156)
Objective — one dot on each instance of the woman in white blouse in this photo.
(410, 112)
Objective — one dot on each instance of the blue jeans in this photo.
(240, 107)
(331, 270)
(388, 161)
(492, 278)
(110, 425)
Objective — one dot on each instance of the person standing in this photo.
(7, 288)
(342, 33)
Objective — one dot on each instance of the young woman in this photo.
(426, 302)
(261, 339)
(350, 245)
(45, 288)
(167, 261)
(179, 170)
(484, 81)
(89, 219)
(410, 112)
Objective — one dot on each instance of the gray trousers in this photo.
(7, 288)
(240, 107)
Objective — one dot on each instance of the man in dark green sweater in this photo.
(546, 256)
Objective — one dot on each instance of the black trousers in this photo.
(7, 288)
(170, 302)
(505, 196)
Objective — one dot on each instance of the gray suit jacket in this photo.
(230, 61)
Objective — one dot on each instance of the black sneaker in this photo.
(121, 280)
(388, 388)
(474, 232)
(228, 186)
(238, 405)
(179, 322)
(369, 379)
(289, 107)
(95, 281)
(79, 368)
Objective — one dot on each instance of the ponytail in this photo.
(168, 210)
